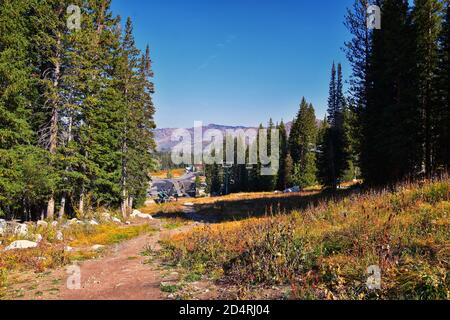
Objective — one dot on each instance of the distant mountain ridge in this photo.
(163, 136)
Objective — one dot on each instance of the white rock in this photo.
(38, 238)
(114, 219)
(21, 230)
(97, 247)
(93, 223)
(68, 249)
(145, 216)
(188, 204)
(21, 244)
(135, 213)
(140, 215)
(42, 223)
(128, 223)
(59, 236)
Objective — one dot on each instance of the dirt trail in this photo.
(122, 274)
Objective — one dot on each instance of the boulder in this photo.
(21, 230)
(21, 244)
(135, 213)
(114, 219)
(93, 223)
(42, 224)
(140, 215)
(68, 249)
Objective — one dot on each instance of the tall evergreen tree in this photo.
(391, 120)
(359, 53)
(268, 182)
(442, 112)
(25, 177)
(427, 26)
(334, 158)
(302, 146)
(284, 172)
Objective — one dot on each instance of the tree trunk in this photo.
(69, 139)
(63, 207)
(130, 203)
(81, 205)
(51, 208)
(54, 121)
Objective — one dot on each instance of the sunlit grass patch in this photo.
(166, 208)
(37, 259)
(107, 234)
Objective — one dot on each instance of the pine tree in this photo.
(391, 149)
(334, 158)
(442, 112)
(127, 75)
(427, 27)
(26, 179)
(302, 146)
(50, 48)
(284, 171)
(214, 177)
(333, 111)
(98, 125)
(268, 182)
(358, 51)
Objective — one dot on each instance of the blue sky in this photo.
(238, 62)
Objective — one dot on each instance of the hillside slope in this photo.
(328, 252)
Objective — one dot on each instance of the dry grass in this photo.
(324, 252)
(268, 200)
(106, 234)
(176, 173)
(164, 208)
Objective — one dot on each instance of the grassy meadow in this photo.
(324, 252)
